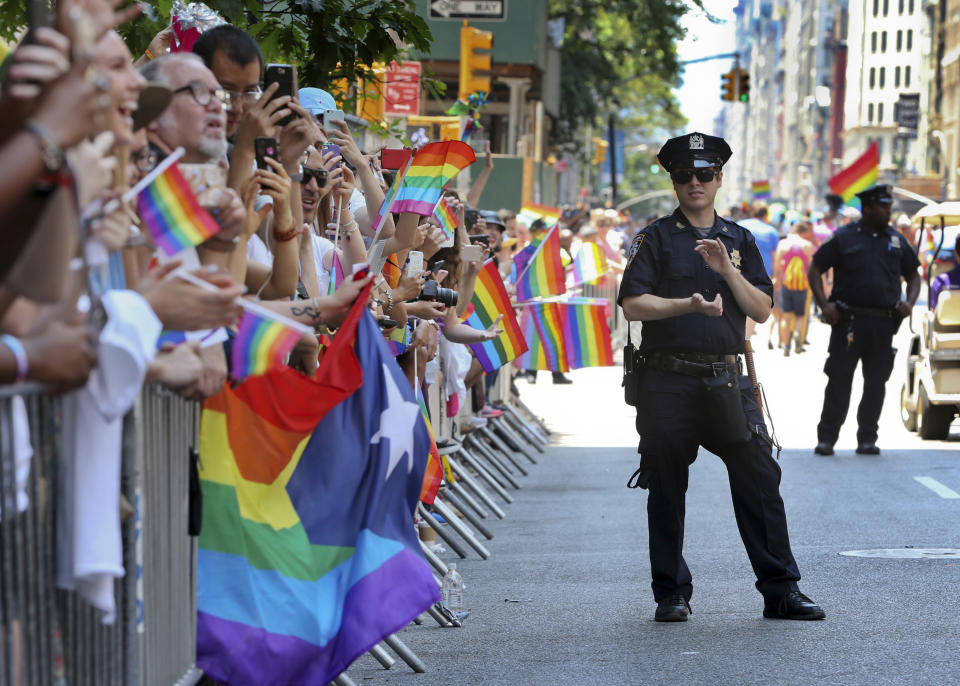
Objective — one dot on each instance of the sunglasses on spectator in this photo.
(311, 173)
(202, 95)
(145, 159)
(249, 97)
(683, 176)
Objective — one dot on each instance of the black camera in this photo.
(435, 292)
(480, 239)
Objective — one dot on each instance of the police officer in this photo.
(692, 278)
(868, 257)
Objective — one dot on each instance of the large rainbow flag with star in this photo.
(307, 557)
(859, 176)
(540, 268)
(173, 216)
(490, 300)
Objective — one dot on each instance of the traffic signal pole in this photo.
(612, 152)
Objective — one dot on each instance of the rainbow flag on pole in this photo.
(531, 211)
(760, 190)
(548, 318)
(172, 214)
(447, 218)
(433, 476)
(490, 300)
(263, 340)
(432, 168)
(859, 176)
(540, 268)
(589, 264)
(336, 273)
(587, 335)
(390, 197)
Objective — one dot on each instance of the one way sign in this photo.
(484, 10)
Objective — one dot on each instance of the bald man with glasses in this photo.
(693, 278)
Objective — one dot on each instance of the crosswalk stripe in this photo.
(937, 487)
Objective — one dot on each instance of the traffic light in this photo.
(743, 85)
(600, 146)
(728, 88)
(474, 66)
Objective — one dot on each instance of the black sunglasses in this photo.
(310, 173)
(682, 176)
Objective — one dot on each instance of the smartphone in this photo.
(205, 180)
(263, 147)
(480, 239)
(470, 218)
(394, 158)
(414, 263)
(286, 76)
(330, 116)
(330, 147)
(472, 253)
(387, 323)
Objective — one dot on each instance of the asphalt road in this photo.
(565, 596)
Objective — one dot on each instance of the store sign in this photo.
(401, 93)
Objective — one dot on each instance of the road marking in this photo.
(937, 487)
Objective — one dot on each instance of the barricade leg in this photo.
(532, 417)
(382, 656)
(454, 521)
(461, 492)
(344, 680)
(494, 461)
(471, 517)
(441, 532)
(520, 425)
(504, 449)
(433, 559)
(516, 440)
(485, 474)
(407, 655)
(478, 490)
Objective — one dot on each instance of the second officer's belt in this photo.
(694, 364)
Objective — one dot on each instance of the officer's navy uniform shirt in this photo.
(867, 267)
(663, 262)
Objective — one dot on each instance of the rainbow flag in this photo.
(336, 274)
(490, 299)
(172, 214)
(433, 476)
(307, 557)
(859, 176)
(540, 268)
(427, 172)
(549, 320)
(447, 218)
(398, 340)
(391, 197)
(760, 190)
(589, 264)
(391, 271)
(535, 357)
(263, 341)
(531, 211)
(587, 335)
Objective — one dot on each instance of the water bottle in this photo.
(452, 589)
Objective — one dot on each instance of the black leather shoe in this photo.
(794, 605)
(559, 378)
(868, 449)
(673, 608)
(824, 448)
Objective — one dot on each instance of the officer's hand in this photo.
(903, 309)
(831, 314)
(715, 255)
(714, 308)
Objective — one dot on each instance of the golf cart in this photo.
(930, 397)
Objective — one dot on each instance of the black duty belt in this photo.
(694, 364)
(865, 311)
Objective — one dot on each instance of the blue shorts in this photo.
(793, 301)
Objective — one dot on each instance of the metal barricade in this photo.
(53, 637)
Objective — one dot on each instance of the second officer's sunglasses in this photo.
(682, 176)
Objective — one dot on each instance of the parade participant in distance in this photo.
(790, 264)
(693, 279)
(865, 309)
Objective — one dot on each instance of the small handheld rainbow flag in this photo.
(490, 300)
(587, 335)
(390, 198)
(532, 211)
(263, 340)
(859, 176)
(589, 264)
(548, 320)
(336, 274)
(447, 218)
(433, 476)
(760, 190)
(432, 168)
(540, 268)
(171, 213)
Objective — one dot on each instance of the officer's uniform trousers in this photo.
(673, 421)
(857, 338)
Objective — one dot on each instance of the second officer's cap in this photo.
(694, 150)
(877, 194)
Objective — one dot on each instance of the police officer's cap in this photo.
(877, 194)
(694, 150)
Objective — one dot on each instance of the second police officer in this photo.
(692, 279)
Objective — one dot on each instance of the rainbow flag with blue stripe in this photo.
(172, 214)
(540, 268)
(262, 342)
(548, 320)
(429, 170)
(490, 300)
(589, 264)
(587, 335)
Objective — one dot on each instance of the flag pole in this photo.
(144, 182)
(537, 251)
